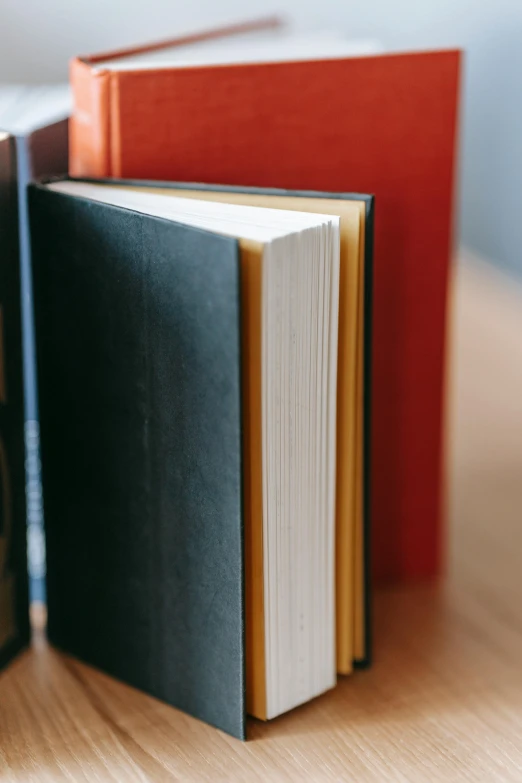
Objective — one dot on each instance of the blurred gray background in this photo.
(37, 38)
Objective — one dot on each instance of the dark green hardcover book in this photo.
(144, 355)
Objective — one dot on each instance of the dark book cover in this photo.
(139, 380)
(14, 602)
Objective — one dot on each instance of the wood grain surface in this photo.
(443, 701)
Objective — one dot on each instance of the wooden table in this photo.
(444, 699)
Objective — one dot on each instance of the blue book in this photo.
(37, 118)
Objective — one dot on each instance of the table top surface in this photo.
(443, 700)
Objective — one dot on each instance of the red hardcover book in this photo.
(381, 124)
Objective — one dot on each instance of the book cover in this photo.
(139, 380)
(14, 601)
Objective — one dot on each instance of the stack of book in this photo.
(240, 303)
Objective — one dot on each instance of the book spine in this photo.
(89, 140)
(33, 486)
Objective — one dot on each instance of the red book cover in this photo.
(384, 125)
